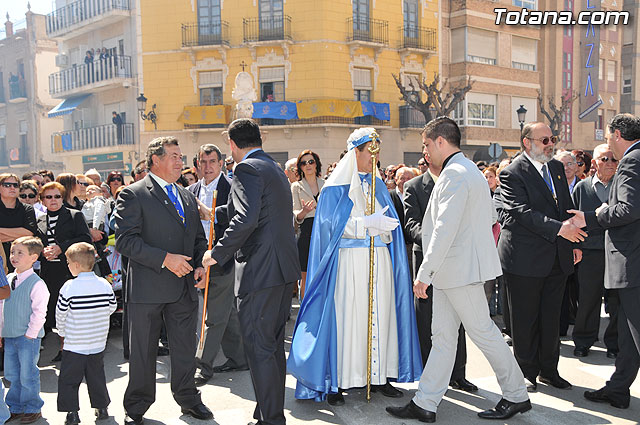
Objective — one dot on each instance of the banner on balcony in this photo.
(378, 110)
(217, 114)
(61, 143)
(329, 108)
(276, 110)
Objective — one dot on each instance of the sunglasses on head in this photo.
(545, 140)
(607, 159)
(9, 184)
(52, 196)
(308, 162)
(25, 196)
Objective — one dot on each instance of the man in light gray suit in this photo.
(459, 255)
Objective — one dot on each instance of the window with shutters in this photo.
(601, 69)
(626, 79)
(481, 46)
(210, 85)
(272, 89)
(566, 80)
(458, 47)
(611, 70)
(524, 52)
(209, 17)
(458, 113)
(481, 109)
(24, 146)
(411, 84)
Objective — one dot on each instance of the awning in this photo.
(67, 106)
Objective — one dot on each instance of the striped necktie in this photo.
(175, 202)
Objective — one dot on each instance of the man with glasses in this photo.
(536, 251)
(570, 168)
(589, 194)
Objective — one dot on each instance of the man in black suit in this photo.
(588, 195)
(417, 192)
(223, 327)
(403, 175)
(158, 227)
(621, 220)
(536, 252)
(260, 237)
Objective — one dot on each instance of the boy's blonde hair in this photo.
(82, 253)
(33, 244)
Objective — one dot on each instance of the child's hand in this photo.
(28, 337)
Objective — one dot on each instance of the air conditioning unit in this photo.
(62, 60)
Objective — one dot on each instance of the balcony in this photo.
(90, 77)
(84, 16)
(358, 121)
(366, 30)
(200, 34)
(103, 136)
(411, 117)
(418, 39)
(272, 28)
(17, 90)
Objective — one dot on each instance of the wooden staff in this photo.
(374, 148)
(212, 236)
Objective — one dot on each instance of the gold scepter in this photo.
(212, 236)
(374, 148)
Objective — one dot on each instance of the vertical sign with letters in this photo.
(589, 66)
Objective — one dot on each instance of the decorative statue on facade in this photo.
(244, 94)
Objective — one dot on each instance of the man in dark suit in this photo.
(260, 237)
(223, 327)
(158, 227)
(417, 192)
(536, 253)
(403, 175)
(621, 220)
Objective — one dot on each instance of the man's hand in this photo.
(601, 207)
(420, 289)
(578, 219)
(177, 264)
(51, 252)
(571, 232)
(199, 275)
(203, 210)
(207, 260)
(96, 234)
(577, 256)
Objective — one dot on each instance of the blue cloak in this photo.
(313, 358)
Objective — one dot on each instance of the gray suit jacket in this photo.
(457, 241)
(147, 228)
(621, 219)
(260, 234)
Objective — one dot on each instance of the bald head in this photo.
(404, 174)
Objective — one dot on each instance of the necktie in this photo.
(547, 178)
(174, 201)
(13, 282)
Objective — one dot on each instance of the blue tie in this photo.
(174, 201)
(547, 178)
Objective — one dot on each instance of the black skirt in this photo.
(304, 241)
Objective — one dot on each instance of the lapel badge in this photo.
(558, 177)
(166, 203)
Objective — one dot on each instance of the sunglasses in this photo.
(607, 159)
(9, 184)
(85, 184)
(115, 179)
(52, 196)
(308, 162)
(25, 196)
(580, 163)
(546, 140)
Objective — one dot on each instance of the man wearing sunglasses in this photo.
(620, 218)
(536, 251)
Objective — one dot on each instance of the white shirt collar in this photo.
(398, 192)
(213, 184)
(22, 276)
(595, 180)
(160, 180)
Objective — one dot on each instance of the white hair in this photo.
(561, 154)
(600, 148)
(290, 163)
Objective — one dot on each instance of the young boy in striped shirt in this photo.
(82, 318)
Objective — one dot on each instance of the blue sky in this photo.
(17, 8)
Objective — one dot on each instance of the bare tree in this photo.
(553, 112)
(443, 100)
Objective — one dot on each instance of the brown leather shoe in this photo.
(29, 418)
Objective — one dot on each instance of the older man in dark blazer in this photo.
(621, 220)
(158, 227)
(536, 252)
(260, 237)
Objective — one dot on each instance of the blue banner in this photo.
(66, 142)
(276, 110)
(378, 110)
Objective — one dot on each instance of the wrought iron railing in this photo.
(365, 29)
(411, 117)
(412, 37)
(96, 71)
(266, 28)
(93, 138)
(205, 34)
(17, 89)
(81, 10)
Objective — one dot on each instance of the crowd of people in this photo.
(536, 241)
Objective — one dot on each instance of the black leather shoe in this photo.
(102, 414)
(72, 418)
(505, 409)
(463, 385)
(612, 354)
(555, 381)
(199, 411)
(532, 384)
(228, 368)
(131, 419)
(200, 379)
(387, 390)
(601, 396)
(163, 351)
(412, 411)
(336, 399)
(581, 351)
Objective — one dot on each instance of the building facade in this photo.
(27, 57)
(322, 58)
(95, 84)
(630, 90)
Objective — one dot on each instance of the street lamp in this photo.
(522, 113)
(142, 106)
